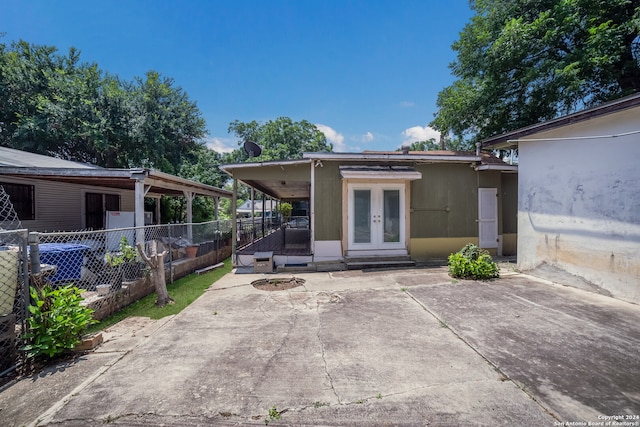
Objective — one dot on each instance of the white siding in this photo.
(579, 203)
(61, 206)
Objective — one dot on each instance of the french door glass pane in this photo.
(362, 216)
(391, 215)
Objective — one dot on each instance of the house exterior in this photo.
(420, 205)
(265, 208)
(51, 194)
(579, 195)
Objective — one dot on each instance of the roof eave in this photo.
(502, 168)
(511, 139)
(400, 157)
(228, 167)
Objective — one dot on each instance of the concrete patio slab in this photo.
(576, 352)
(396, 347)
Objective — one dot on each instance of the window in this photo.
(22, 197)
(96, 205)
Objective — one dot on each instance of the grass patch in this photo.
(184, 291)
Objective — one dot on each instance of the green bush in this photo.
(57, 320)
(471, 262)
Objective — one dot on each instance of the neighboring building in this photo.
(579, 195)
(259, 207)
(51, 194)
(419, 205)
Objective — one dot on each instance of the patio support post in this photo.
(216, 206)
(253, 215)
(264, 209)
(140, 191)
(189, 196)
(158, 219)
(312, 208)
(234, 224)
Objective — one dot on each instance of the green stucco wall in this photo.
(328, 201)
(444, 203)
(509, 203)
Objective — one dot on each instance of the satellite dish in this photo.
(252, 149)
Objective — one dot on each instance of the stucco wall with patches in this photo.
(579, 202)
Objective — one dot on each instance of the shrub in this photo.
(57, 320)
(471, 262)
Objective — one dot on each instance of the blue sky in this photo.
(366, 72)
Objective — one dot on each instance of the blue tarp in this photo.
(67, 256)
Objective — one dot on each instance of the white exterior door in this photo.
(376, 219)
(488, 217)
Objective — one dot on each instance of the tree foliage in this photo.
(431, 145)
(520, 62)
(280, 139)
(52, 104)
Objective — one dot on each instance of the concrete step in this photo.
(378, 262)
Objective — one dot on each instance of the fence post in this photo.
(26, 292)
(170, 254)
(34, 251)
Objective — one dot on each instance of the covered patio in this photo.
(18, 166)
(287, 239)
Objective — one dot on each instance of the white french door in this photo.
(376, 219)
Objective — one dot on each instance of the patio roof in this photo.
(142, 181)
(283, 180)
(291, 179)
(30, 165)
(158, 183)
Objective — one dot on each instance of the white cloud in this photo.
(407, 104)
(419, 133)
(334, 137)
(221, 145)
(367, 137)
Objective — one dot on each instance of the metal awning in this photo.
(156, 183)
(380, 173)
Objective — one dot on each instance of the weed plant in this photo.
(472, 262)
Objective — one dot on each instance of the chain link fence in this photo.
(105, 264)
(14, 298)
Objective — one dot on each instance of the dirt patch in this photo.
(277, 284)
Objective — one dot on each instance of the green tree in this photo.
(53, 104)
(430, 144)
(280, 139)
(520, 62)
(203, 167)
(169, 127)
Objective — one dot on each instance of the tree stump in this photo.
(155, 261)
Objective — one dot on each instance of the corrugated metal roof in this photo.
(23, 159)
(23, 164)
